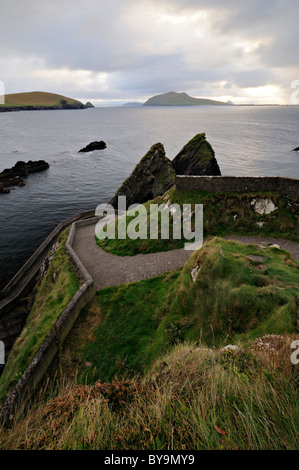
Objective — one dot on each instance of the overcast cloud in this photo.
(110, 50)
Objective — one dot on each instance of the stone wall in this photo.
(13, 311)
(287, 187)
(49, 348)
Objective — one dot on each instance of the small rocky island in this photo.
(96, 145)
(15, 176)
(40, 101)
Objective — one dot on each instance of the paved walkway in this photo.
(107, 270)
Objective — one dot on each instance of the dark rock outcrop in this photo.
(196, 158)
(14, 176)
(151, 178)
(94, 146)
(89, 105)
(155, 173)
(296, 149)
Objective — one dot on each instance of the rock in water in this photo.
(94, 146)
(22, 169)
(196, 158)
(151, 178)
(13, 176)
(296, 149)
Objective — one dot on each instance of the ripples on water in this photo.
(247, 141)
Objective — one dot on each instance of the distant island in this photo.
(40, 100)
(133, 103)
(181, 99)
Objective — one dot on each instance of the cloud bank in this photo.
(122, 50)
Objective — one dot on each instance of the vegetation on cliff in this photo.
(191, 399)
(224, 214)
(175, 386)
(145, 365)
(240, 292)
(197, 157)
(52, 295)
(39, 100)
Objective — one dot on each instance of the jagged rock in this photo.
(197, 157)
(14, 176)
(94, 146)
(152, 177)
(22, 169)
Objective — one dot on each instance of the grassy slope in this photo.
(191, 399)
(51, 299)
(36, 98)
(224, 214)
(235, 298)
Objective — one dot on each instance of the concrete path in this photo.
(107, 270)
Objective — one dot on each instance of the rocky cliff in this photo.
(151, 177)
(196, 158)
(155, 173)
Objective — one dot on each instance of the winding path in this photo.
(107, 269)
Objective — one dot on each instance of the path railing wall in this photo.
(51, 345)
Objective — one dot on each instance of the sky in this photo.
(115, 51)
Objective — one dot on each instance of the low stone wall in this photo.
(12, 317)
(288, 187)
(23, 276)
(46, 353)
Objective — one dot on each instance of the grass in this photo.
(224, 214)
(235, 298)
(56, 289)
(149, 371)
(124, 339)
(36, 98)
(191, 399)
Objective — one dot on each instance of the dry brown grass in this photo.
(193, 398)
